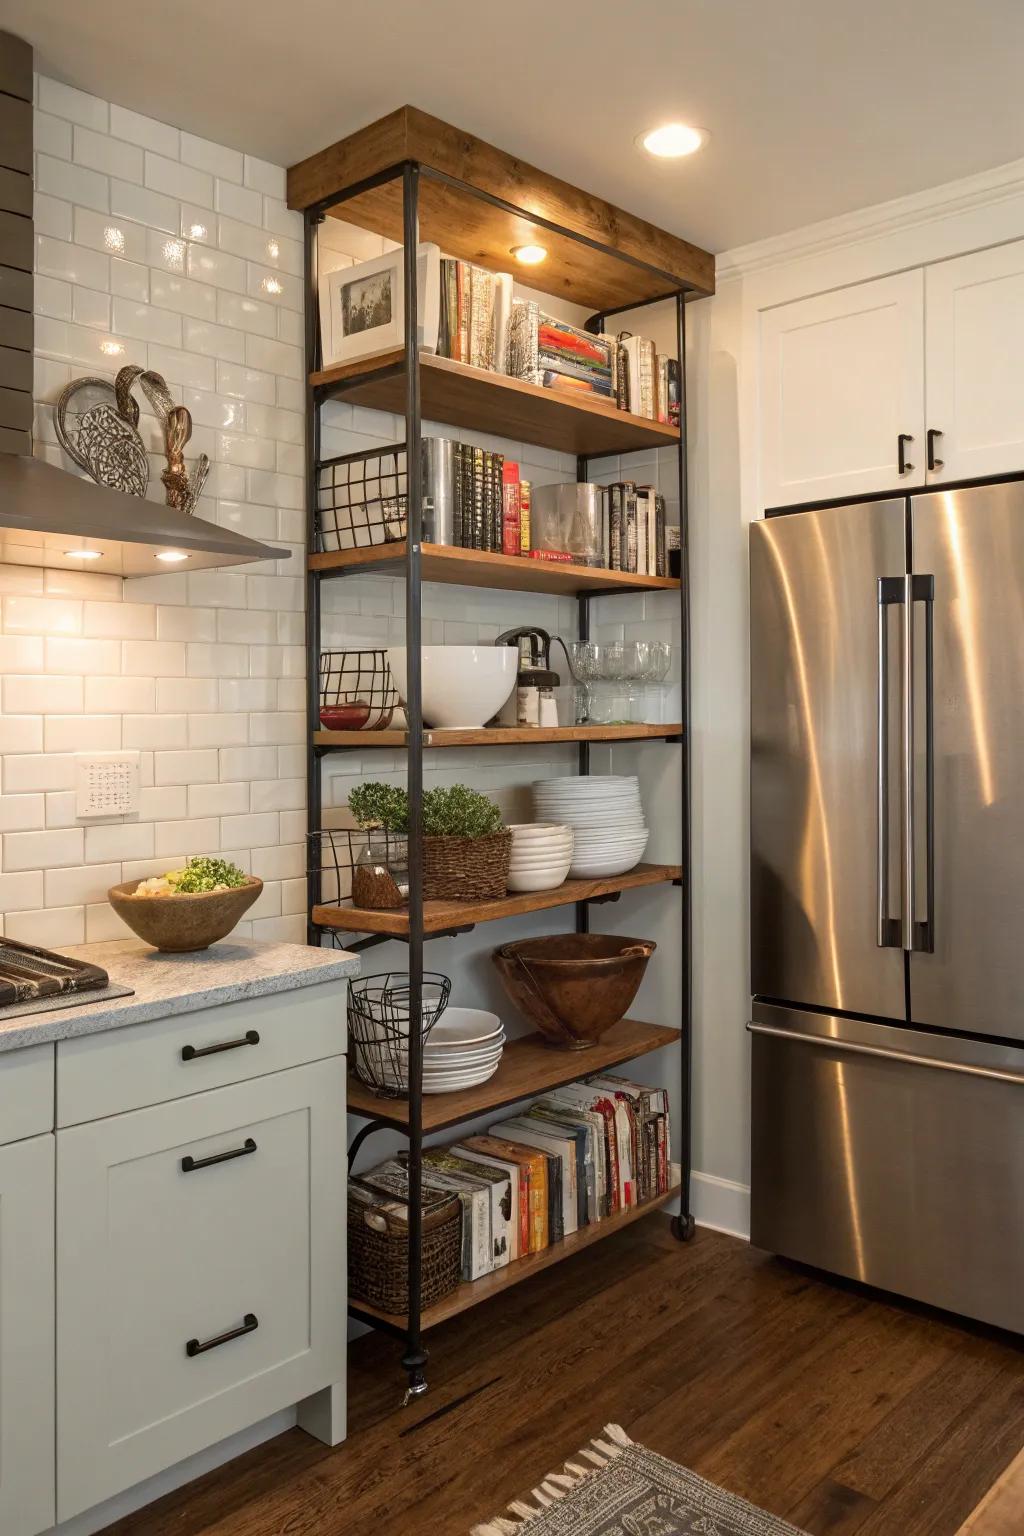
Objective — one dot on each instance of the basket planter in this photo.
(378, 1255)
(466, 868)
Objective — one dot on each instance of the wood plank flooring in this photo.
(821, 1402)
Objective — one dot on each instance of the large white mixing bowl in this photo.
(463, 685)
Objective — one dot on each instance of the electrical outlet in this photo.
(106, 783)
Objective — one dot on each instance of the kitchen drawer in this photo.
(151, 1256)
(124, 1069)
(26, 1092)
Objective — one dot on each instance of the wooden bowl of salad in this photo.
(189, 908)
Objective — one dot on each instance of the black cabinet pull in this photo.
(933, 462)
(190, 1164)
(194, 1347)
(901, 452)
(193, 1052)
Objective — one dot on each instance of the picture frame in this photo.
(362, 307)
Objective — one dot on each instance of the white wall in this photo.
(944, 222)
(157, 248)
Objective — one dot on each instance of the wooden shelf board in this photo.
(472, 568)
(499, 736)
(471, 1293)
(461, 396)
(439, 916)
(631, 259)
(529, 1066)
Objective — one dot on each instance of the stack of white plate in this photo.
(463, 1048)
(541, 855)
(606, 817)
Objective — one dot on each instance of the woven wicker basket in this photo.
(378, 1259)
(466, 868)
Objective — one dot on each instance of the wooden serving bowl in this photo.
(182, 923)
(573, 986)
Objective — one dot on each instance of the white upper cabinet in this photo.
(974, 363)
(842, 385)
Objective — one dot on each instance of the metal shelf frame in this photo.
(412, 173)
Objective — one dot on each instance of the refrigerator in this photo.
(887, 894)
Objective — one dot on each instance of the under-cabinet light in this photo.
(172, 556)
(84, 554)
(529, 255)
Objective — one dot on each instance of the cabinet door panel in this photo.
(26, 1337)
(842, 376)
(975, 362)
(151, 1256)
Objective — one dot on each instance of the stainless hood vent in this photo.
(49, 516)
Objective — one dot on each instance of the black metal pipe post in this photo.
(415, 1357)
(314, 760)
(684, 1222)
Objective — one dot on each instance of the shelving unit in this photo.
(407, 177)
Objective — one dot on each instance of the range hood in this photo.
(50, 516)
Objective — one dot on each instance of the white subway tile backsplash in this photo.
(214, 158)
(111, 156)
(180, 253)
(178, 180)
(43, 850)
(143, 205)
(74, 183)
(143, 131)
(76, 106)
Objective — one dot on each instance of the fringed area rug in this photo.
(616, 1488)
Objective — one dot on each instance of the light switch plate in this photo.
(106, 784)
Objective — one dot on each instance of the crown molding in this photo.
(986, 189)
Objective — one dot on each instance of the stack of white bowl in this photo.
(463, 1048)
(541, 855)
(606, 817)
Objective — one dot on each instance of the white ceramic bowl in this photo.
(537, 879)
(465, 1026)
(463, 685)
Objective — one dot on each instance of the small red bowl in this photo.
(344, 717)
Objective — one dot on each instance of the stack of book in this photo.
(474, 498)
(573, 1158)
(646, 380)
(474, 314)
(637, 539)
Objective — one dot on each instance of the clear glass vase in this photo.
(380, 874)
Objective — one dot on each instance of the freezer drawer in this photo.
(892, 1156)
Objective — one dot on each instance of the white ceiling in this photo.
(815, 107)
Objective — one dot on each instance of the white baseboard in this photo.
(721, 1204)
(174, 1477)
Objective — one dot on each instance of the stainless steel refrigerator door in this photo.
(892, 1156)
(825, 810)
(972, 543)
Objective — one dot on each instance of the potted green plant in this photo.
(466, 849)
(380, 873)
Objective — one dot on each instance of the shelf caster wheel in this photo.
(413, 1362)
(683, 1228)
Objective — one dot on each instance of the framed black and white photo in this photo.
(362, 307)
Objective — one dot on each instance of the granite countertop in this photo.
(163, 984)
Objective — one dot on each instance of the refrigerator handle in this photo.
(830, 1042)
(919, 936)
(890, 593)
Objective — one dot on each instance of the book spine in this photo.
(615, 497)
(525, 502)
(497, 473)
(660, 559)
(457, 493)
(510, 519)
(557, 556)
(641, 533)
(662, 387)
(674, 393)
(630, 550)
(479, 489)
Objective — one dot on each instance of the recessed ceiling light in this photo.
(84, 554)
(529, 255)
(672, 140)
(172, 556)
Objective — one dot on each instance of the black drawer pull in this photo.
(190, 1164)
(194, 1347)
(193, 1052)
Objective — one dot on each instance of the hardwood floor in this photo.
(821, 1402)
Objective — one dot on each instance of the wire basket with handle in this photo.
(357, 691)
(379, 1026)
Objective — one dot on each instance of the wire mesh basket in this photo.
(357, 691)
(362, 499)
(379, 1025)
(360, 868)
